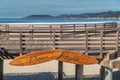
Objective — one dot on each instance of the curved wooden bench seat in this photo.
(76, 58)
(47, 55)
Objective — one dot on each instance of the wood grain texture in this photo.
(47, 55)
(36, 57)
(76, 58)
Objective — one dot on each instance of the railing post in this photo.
(61, 31)
(95, 28)
(117, 43)
(54, 40)
(78, 72)
(74, 30)
(50, 27)
(21, 43)
(1, 69)
(101, 43)
(60, 70)
(31, 32)
(6, 34)
(86, 40)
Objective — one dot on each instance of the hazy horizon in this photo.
(22, 8)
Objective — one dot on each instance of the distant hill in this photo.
(38, 16)
(108, 14)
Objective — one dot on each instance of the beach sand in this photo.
(46, 71)
(49, 71)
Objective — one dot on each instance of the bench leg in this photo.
(60, 70)
(78, 72)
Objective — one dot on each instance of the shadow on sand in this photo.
(52, 76)
(43, 76)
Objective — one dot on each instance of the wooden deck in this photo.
(96, 40)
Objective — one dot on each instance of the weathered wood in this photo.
(28, 36)
(21, 46)
(117, 43)
(50, 31)
(74, 30)
(74, 37)
(101, 44)
(79, 72)
(54, 46)
(31, 32)
(86, 40)
(6, 28)
(60, 70)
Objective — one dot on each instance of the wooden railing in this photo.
(93, 39)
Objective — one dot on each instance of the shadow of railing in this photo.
(4, 54)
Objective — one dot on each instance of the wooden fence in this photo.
(92, 39)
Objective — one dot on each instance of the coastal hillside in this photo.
(100, 15)
(38, 16)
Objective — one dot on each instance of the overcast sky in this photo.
(21, 8)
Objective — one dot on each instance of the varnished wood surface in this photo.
(47, 55)
(76, 58)
(36, 57)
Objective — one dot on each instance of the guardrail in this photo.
(92, 39)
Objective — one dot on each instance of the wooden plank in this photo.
(70, 44)
(67, 46)
(74, 30)
(117, 41)
(86, 40)
(27, 36)
(71, 39)
(54, 46)
(21, 50)
(101, 43)
(109, 46)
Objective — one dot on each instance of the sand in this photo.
(45, 71)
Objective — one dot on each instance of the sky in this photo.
(22, 8)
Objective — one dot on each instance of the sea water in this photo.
(45, 20)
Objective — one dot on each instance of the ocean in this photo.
(45, 20)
